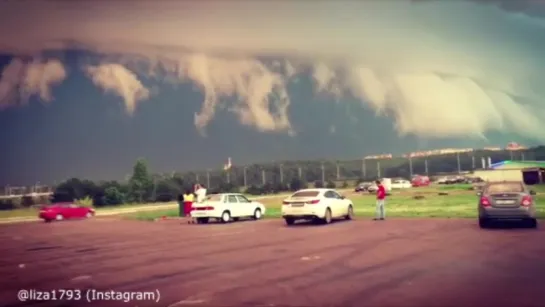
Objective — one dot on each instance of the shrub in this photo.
(331, 185)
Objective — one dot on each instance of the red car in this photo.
(420, 181)
(61, 211)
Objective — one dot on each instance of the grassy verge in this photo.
(33, 212)
(460, 205)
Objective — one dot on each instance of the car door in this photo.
(67, 210)
(342, 204)
(77, 211)
(246, 206)
(233, 205)
(333, 203)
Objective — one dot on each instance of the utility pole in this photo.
(473, 161)
(511, 155)
(363, 168)
(263, 178)
(426, 167)
(154, 194)
(228, 174)
(522, 155)
(378, 168)
(300, 173)
(458, 162)
(338, 171)
(245, 178)
(197, 177)
(208, 179)
(281, 174)
(411, 166)
(323, 173)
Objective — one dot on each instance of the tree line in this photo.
(143, 186)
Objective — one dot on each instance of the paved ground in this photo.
(426, 262)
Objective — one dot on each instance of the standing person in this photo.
(181, 205)
(200, 192)
(188, 202)
(381, 197)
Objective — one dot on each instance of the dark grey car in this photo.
(506, 200)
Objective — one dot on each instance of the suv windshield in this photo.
(505, 187)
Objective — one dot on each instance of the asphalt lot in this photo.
(398, 262)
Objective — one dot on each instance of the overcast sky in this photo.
(89, 86)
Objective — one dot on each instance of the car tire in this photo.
(89, 215)
(289, 221)
(257, 214)
(532, 223)
(202, 220)
(350, 213)
(225, 217)
(59, 217)
(483, 223)
(327, 217)
(47, 220)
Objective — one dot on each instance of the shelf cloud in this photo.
(433, 72)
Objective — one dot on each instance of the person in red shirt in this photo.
(381, 197)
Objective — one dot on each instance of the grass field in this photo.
(33, 212)
(460, 203)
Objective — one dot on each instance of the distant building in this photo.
(531, 172)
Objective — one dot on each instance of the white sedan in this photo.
(401, 184)
(316, 204)
(226, 207)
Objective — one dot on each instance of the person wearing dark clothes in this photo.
(181, 205)
(381, 197)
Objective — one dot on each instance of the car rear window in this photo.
(214, 197)
(306, 194)
(507, 187)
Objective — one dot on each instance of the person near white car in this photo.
(200, 193)
(322, 205)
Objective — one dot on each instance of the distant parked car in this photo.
(227, 207)
(506, 200)
(362, 187)
(372, 188)
(63, 211)
(442, 180)
(322, 205)
(401, 184)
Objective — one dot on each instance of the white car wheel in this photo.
(327, 217)
(89, 215)
(350, 213)
(257, 214)
(59, 217)
(225, 217)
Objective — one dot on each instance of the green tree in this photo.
(141, 181)
(297, 184)
(318, 184)
(112, 196)
(331, 185)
